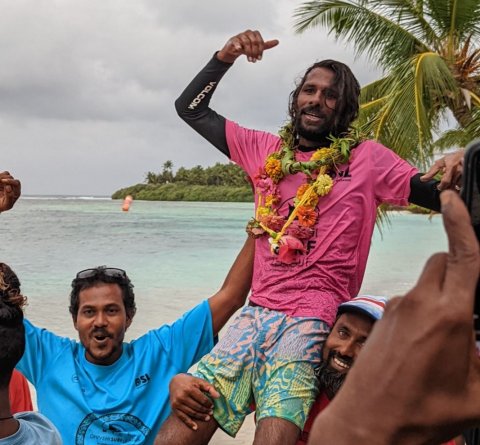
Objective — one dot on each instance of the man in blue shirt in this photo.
(102, 390)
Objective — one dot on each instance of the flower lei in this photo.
(286, 235)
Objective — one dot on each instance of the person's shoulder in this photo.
(30, 329)
(34, 425)
(233, 127)
(193, 315)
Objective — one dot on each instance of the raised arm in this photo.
(193, 104)
(235, 288)
(10, 190)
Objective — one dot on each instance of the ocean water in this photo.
(175, 253)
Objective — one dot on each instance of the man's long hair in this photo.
(12, 331)
(346, 110)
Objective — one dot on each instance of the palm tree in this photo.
(167, 173)
(429, 52)
(151, 178)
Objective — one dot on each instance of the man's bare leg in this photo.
(175, 432)
(276, 431)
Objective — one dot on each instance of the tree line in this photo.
(229, 175)
(218, 183)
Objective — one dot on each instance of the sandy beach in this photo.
(244, 436)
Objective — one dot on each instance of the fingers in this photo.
(249, 43)
(186, 420)
(194, 413)
(195, 400)
(463, 260)
(434, 169)
(210, 389)
(10, 191)
(450, 166)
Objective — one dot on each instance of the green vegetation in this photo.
(429, 52)
(221, 182)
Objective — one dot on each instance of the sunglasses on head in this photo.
(111, 272)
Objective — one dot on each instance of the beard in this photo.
(330, 380)
(314, 134)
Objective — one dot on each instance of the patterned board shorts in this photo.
(266, 359)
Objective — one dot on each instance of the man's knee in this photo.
(175, 432)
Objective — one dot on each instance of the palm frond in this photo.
(457, 18)
(418, 96)
(366, 24)
(460, 137)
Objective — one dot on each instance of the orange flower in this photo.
(306, 216)
(273, 168)
(323, 154)
(312, 199)
(301, 190)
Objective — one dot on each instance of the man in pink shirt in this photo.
(317, 187)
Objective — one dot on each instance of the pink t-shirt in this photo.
(332, 269)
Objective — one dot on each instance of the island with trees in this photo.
(220, 182)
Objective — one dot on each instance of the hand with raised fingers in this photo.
(191, 398)
(10, 191)
(248, 43)
(450, 167)
(419, 371)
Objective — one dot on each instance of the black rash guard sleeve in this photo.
(424, 194)
(192, 105)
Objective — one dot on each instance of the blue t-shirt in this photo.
(124, 403)
(34, 429)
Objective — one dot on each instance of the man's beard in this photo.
(318, 134)
(330, 380)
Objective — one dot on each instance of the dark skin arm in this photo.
(399, 377)
(10, 190)
(234, 291)
(189, 400)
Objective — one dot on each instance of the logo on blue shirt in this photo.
(142, 380)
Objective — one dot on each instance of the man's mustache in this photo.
(313, 109)
(343, 358)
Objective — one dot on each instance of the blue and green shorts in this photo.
(266, 360)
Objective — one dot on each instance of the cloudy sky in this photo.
(87, 87)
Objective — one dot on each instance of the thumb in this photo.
(270, 44)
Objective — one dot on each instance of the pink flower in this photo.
(265, 186)
(298, 231)
(289, 247)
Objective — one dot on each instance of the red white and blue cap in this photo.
(369, 305)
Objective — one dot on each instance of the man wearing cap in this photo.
(354, 322)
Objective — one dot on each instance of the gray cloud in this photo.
(87, 87)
